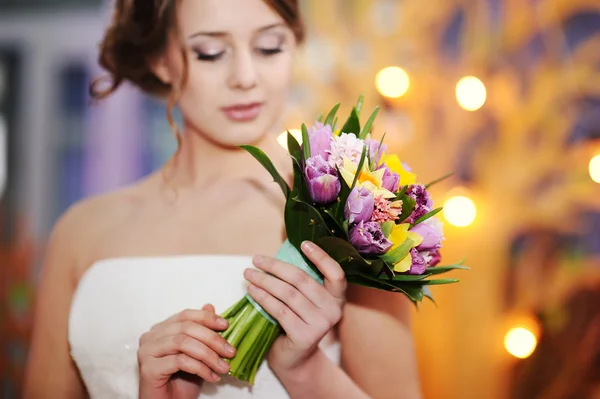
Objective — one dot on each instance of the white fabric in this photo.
(119, 299)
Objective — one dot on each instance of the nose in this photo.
(243, 75)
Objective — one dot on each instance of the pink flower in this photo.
(347, 145)
(385, 210)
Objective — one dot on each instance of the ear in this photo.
(160, 68)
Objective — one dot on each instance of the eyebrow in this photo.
(221, 34)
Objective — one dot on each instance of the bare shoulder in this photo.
(75, 232)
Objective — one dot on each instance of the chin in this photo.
(240, 134)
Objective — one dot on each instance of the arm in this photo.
(378, 357)
(50, 371)
(377, 351)
(377, 346)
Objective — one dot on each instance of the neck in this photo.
(201, 160)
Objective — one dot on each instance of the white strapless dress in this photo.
(119, 299)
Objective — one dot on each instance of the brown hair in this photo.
(139, 31)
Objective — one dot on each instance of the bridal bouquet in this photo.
(362, 206)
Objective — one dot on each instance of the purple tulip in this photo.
(432, 232)
(418, 262)
(391, 180)
(320, 138)
(423, 204)
(376, 150)
(359, 206)
(322, 180)
(368, 239)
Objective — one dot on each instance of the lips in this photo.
(243, 112)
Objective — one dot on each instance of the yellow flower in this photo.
(395, 165)
(372, 180)
(398, 235)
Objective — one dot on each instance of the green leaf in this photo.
(378, 153)
(445, 269)
(348, 257)
(402, 192)
(442, 281)
(342, 198)
(335, 122)
(268, 165)
(397, 254)
(438, 180)
(331, 115)
(427, 216)
(352, 124)
(305, 142)
(359, 104)
(303, 221)
(428, 294)
(367, 128)
(320, 118)
(294, 147)
(410, 277)
(339, 229)
(408, 205)
(386, 227)
(296, 153)
(413, 292)
(363, 157)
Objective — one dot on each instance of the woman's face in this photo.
(240, 63)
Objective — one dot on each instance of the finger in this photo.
(334, 277)
(208, 308)
(182, 343)
(278, 310)
(296, 277)
(177, 332)
(166, 366)
(203, 317)
(286, 293)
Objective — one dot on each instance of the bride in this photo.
(134, 280)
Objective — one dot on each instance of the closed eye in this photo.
(208, 57)
(270, 51)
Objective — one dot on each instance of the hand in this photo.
(305, 309)
(177, 355)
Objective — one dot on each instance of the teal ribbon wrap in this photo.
(287, 253)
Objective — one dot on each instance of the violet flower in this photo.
(368, 239)
(359, 205)
(323, 183)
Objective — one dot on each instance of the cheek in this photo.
(277, 83)
(196, 98)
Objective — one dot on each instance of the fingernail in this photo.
(249, 272)
(216, 377)
(308, 246)
(223, 365)
(258, 260)
(222, 322)
(229, 349)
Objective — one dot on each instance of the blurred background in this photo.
(505, 93)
